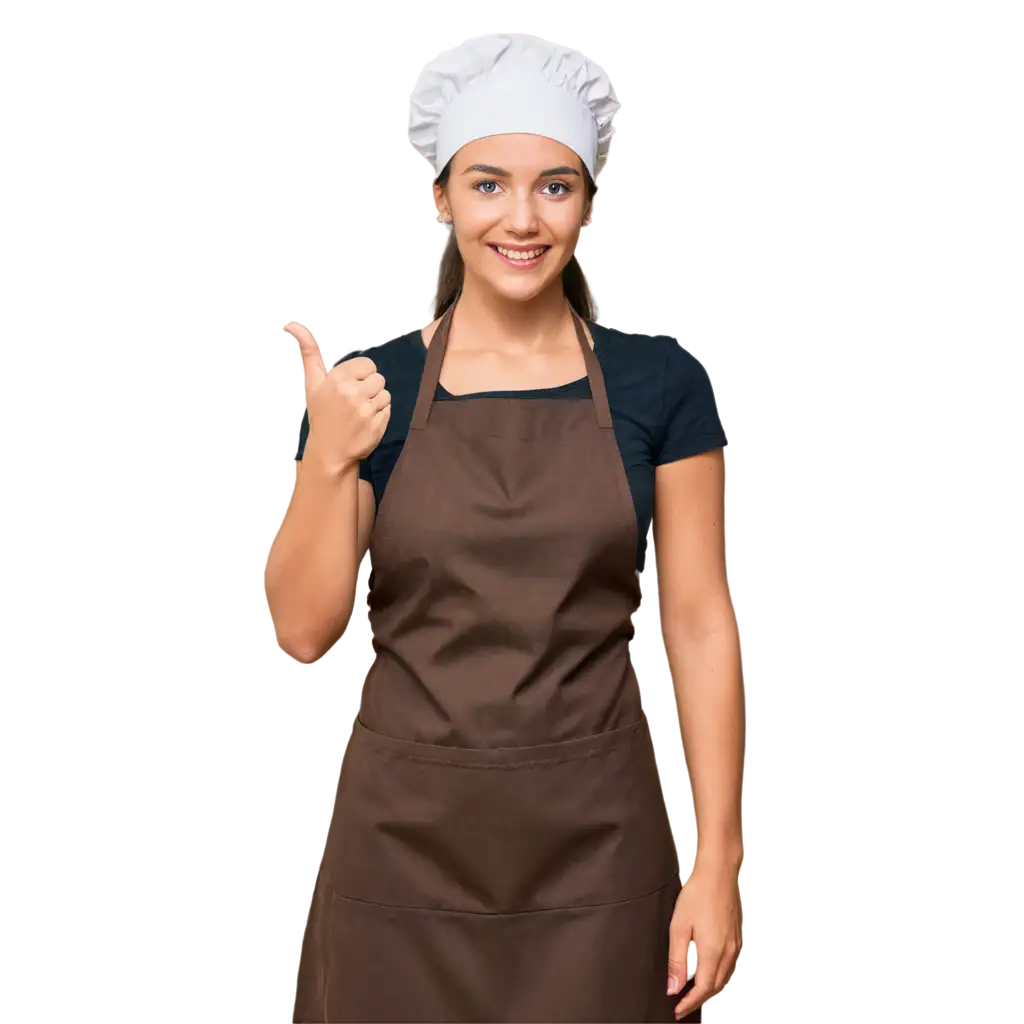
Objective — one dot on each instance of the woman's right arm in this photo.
(311, 572)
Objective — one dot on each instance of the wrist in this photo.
(326, 463)
(719, 855)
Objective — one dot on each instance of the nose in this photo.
(522, 218)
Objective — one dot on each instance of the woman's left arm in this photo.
(702, 643)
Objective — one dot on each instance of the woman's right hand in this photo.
(348, 406)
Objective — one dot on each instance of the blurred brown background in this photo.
(172, 183)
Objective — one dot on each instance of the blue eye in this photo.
(488, 182)
(563, 184)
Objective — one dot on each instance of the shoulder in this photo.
(633, 364)
(657, 362)
(618, 343)
(658, 353)
(683, 370)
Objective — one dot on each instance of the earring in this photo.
(442, 220)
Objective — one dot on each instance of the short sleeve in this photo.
(689, 416)
(364, 464)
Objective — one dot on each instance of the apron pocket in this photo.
(500, 830)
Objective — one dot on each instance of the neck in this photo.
(496, 322)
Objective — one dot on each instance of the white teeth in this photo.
(519, 255)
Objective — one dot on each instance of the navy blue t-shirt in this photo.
(661, 400)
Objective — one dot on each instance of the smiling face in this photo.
(512, 194)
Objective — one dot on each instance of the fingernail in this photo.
(673, 985)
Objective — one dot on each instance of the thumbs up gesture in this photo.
(348, 406)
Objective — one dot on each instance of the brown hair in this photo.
(450, 273)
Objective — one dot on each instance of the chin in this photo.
(522, 291)
(517, 285)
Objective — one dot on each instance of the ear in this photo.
(441, 202)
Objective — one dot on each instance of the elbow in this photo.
(296, 633)
(302, 625)
(698, 622)
(304, 646)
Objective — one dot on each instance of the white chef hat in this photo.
(507, 83)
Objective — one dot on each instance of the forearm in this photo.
(708, 682)
(312, 568)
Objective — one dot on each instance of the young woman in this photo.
(500, 847)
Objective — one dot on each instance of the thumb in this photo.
(678, 974)
(312, 361)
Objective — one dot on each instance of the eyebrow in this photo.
(500, 172)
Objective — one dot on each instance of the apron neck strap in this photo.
(435, 357)
(597, 389)
(432, 370)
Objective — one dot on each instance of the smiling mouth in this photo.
(511, 256)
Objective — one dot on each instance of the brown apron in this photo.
(500, 848)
